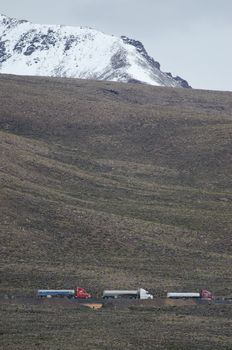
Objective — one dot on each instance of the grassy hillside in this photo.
(109, 185)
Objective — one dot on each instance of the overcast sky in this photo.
(190, 38)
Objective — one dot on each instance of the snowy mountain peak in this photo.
(77, 52)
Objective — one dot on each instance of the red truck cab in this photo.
(80, 293)
(206, 295)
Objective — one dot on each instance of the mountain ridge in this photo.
(77, 52)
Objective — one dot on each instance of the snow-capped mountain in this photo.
(76, 52)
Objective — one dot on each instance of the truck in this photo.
(77, 293)
(139, 293)
(202, 294)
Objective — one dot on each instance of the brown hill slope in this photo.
(114, 185)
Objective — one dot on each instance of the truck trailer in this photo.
(139, 293)
(203, 294)
(77, 293)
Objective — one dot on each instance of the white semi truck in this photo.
(139, 293)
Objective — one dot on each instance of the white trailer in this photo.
(202, 294)
(127, 294)
(187, 295)
(49, 293)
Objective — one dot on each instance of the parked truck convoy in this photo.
(140, 293)
(131, 294)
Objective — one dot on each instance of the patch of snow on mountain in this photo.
(77, 52)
